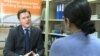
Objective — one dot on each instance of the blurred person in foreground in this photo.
(77, 20)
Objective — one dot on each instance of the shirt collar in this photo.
(25, 28)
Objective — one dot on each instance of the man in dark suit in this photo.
(24, 40)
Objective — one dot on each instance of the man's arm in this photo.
(10, 45)
(40, 44)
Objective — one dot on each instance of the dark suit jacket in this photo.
(15, 42)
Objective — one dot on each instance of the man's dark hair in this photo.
(21, 11)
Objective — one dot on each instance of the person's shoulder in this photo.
(64, 40)
(15, 28)
(56, 43)
(60, 40)
(95, 41)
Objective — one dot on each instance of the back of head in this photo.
(79, 13)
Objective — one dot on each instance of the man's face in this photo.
(25, 19)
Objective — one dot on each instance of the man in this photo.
(24, 40)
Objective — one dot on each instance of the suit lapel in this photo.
(31, 36)
(21, 31)
(21, 36)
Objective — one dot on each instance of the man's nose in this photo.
(27, 19)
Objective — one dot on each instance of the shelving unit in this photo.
(46, 27)
(47, 21)
(50, 20)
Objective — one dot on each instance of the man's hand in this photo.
(30, 54)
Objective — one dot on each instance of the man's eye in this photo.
(28, 16)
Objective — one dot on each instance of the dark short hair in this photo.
(21, 11)
(79, 13)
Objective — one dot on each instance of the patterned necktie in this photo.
(27, 41)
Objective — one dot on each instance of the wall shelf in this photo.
(56, 34)
(61, 20)
(94, 1)
(45, 0)
(53, 20)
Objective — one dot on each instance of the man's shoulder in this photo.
(14, 29)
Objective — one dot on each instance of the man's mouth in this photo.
(27, 23)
